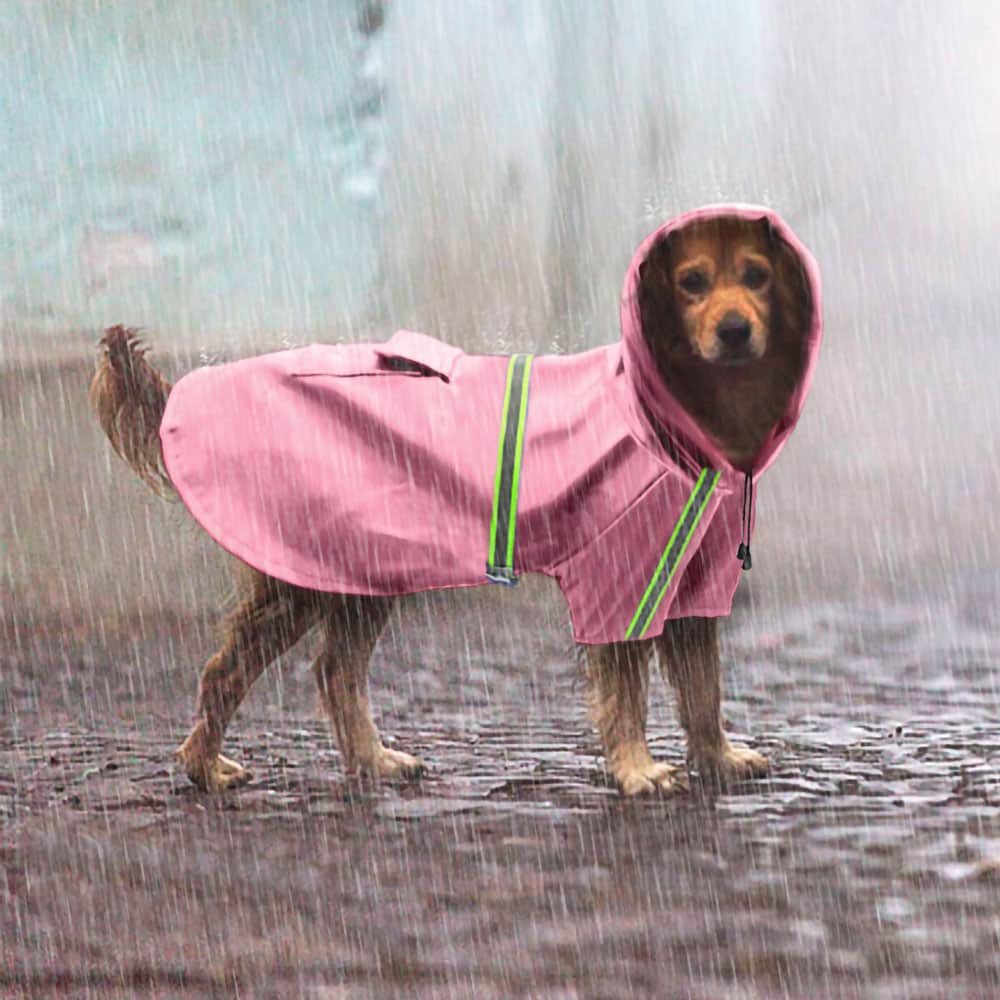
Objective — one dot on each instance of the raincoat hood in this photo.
(647, 389)
(409, 465)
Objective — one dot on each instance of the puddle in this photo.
(867, 864)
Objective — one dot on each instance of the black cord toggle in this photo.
(743, 552)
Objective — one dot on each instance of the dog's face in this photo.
(721, 276)
(713, 290)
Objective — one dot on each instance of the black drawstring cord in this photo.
(743, 552)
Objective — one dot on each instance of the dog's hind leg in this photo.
(267, 623)
(351, 629)
(617, 686)
(689, 657)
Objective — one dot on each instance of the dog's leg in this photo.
(689, 657)
(350, 631)
(268, 623)
(618, 680)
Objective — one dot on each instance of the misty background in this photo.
(245, 177)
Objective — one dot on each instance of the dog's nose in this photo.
(733, 329)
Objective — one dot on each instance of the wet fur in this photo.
(736, 406)
(129, 396)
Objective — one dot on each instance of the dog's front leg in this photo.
(617, 684)
(689, 657)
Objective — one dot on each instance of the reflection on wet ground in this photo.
(867, 865)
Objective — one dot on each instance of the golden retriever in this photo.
(724, 309)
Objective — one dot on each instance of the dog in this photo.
(721, 330)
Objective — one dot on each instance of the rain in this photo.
(242, 178)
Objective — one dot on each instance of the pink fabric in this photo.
(331, 468)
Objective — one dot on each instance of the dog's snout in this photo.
(733, 329)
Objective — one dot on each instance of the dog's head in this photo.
(725, 291)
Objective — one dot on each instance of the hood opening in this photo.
(657, 415)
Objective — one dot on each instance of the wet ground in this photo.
(867, 865)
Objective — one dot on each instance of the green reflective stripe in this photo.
(666, 555)
(687, 525)
(518, 451)
(500, 565)
(680, 555)
(499, 473)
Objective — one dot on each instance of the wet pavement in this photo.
(867, 865)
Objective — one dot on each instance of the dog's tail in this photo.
(129, 397)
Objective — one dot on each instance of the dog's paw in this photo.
(734, 764)
(216, 775)
(228, 774)
(652, 779)
(394, 765)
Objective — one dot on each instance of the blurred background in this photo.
(246, 176)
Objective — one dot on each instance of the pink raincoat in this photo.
(371, 468)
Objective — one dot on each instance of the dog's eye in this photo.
(755, 277)
(694, 283)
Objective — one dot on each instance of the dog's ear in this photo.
(792, 294)
(657, 308)
(655, 270)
